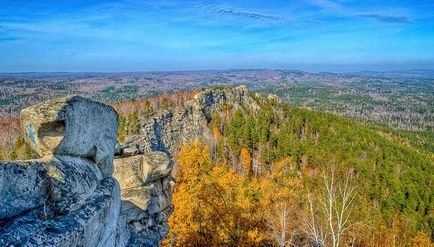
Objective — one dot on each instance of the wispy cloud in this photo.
(243, 13)
(247, 14)
(326, 4)
(386, 18)
(339, 9)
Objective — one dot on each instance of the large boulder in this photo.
(72, 181)
(68, 197)
(94, 224)
(135, 171)
(62, 183)
(73, 126)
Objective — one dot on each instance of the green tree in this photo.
(122, 129)
(135, 123)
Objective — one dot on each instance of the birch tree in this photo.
(280, 222)
(331, 216)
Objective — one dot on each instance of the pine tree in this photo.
(121, 129)
(129, 123)
(13, 155)
(135, 123)
(27, 152)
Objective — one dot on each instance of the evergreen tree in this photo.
(135, 123)
(121, 129)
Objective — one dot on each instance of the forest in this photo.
(285, 176)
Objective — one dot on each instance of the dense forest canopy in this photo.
(274, 165)
(282, 159)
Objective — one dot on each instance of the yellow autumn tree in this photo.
(188, 221)
(421, 239)
(246, 160)
(234, 209)
(214, 206)
(217, 134)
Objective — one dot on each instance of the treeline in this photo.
(406, 105)
(285, 176)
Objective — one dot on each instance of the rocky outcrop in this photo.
(169, 129)
(146, 195)
(69, 196)
(70, 126)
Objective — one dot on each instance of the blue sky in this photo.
(142, 35)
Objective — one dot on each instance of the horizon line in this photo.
(213, 70)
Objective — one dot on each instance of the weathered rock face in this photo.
(23, 186)
(175, 126)
(69, 197)
(93, 224)
(146, 195)
(143, 169)
(71, 126)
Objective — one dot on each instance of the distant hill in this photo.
(408, 74)
(398, 99)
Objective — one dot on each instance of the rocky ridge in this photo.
(79, 194)
(166, 130)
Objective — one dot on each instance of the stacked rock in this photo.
(146, 193)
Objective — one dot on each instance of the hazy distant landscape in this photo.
(400, 99)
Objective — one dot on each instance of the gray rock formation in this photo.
(70, 126)
(146, 195)
(169, 129)
(143, 169)
(69, 196)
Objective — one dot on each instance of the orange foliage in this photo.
(187, 220)
(421, 240)
(217, 134)
(246, 160)
(214, 206)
